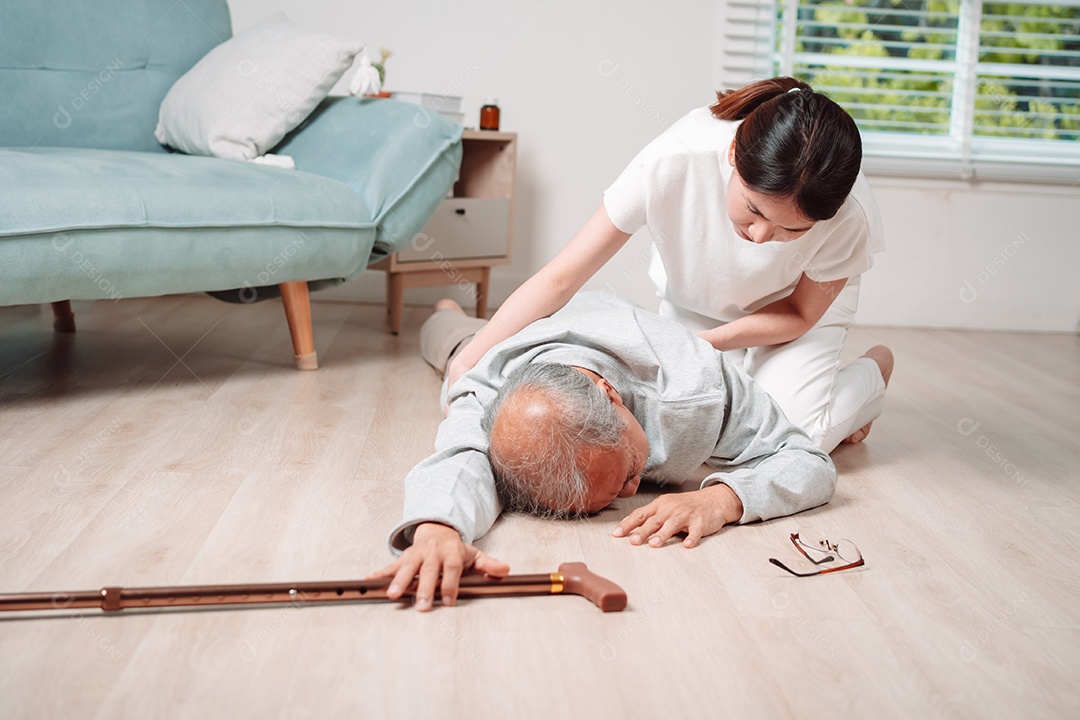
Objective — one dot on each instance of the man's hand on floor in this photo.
(698, 514)
(437, 550)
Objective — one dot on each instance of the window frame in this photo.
(757, 38)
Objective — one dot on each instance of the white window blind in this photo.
(955, 87)
(746, 30)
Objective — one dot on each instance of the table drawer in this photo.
(462, 228)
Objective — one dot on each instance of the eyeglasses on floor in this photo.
(819, 549)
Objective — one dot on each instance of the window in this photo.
(956, 87)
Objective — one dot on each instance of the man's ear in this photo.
(610, 391)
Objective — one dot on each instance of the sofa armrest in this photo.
(400, 158)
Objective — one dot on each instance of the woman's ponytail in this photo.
(737, 104)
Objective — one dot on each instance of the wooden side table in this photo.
(469, 233)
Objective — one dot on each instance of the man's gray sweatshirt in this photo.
(693, 404)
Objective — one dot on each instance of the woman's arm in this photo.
(781, 321)
(548, 290)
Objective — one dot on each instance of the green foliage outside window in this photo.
(904, 100)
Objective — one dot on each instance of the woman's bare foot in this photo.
(884, 358)
(448, 304)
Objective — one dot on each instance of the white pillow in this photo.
(246, 94)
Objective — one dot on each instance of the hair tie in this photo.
(794, 89)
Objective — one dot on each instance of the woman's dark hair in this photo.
(800, 145)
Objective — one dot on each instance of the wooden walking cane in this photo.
(573, 578)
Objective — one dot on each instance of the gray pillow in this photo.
(246, 94)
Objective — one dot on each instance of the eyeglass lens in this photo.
(814, 540)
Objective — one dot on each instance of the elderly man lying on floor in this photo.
(571, 413)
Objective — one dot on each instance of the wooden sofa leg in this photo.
(63, 317)
(298, 312)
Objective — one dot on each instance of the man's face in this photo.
(616, 472)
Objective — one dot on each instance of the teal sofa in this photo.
(93, 208)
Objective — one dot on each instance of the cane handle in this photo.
(579, 580)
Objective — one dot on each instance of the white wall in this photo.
(976, 255)
(587, 84)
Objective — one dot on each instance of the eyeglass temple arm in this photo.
(826, 571)
(782, 566)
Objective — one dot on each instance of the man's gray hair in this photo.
(586, 419)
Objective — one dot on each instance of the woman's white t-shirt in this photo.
(677, 186)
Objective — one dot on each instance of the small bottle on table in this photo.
(489, 114)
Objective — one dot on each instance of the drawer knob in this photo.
(460, 211)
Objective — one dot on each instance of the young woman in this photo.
(763, 226)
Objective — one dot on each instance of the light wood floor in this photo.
(171, 441)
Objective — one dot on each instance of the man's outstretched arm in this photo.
(450, 500)
(772, 465)
(766, 467)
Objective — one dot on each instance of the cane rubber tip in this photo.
(307, 361)
(579, 580)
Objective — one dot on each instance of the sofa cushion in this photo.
(48, 190)
(86, 74)
(248, 92)
(399, 158)
(87, 224)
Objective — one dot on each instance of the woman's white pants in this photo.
(804, 376)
